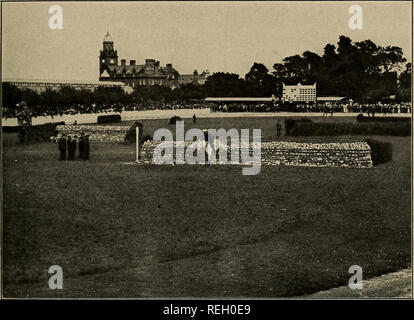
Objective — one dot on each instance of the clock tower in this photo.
(108, 58)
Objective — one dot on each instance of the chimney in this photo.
(123, 62)
(132, 62)
(149, 62)
(169, 65)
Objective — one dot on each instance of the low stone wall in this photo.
(351, 155)
(104, 134)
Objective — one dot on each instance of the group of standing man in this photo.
(68, 143)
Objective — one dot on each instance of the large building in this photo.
(41, 85)
(299, 93)
(132, 74)
(194, 78)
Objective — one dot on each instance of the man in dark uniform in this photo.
(86, 154)
(71, 152)
(372, 107)
(278, 128)
(62, 147)
(72, 147)
(194, 118)
(74, 143)
(82, 146)
(325, 110)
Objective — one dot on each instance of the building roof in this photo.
(187, 76)
(240, 99)
(108, 37)
(64, 82)
(142, 70)
(330, 98)
(300, 85)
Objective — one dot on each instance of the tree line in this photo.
(358, 70)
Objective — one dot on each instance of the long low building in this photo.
(241, 99)
(40, 85)
(330, 99)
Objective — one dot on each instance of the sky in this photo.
(214, 36)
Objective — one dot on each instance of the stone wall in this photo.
(351, 155)
(104, 134)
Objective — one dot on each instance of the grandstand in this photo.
(241, 99)
(39, 85)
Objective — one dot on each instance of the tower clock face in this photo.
(103, 60)
(111, 61)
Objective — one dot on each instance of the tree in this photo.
(259, 82)
(404, 83)
(222, 84)
(189, 91)
(50, 103)
(356, 70)
(12, 95)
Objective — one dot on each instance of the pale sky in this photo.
(218, 36)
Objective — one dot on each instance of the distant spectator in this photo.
(278, 128)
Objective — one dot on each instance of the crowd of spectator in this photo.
(379, 107)
(325, 107)
(158, 105)
(146, 106)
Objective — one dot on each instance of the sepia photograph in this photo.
(206, 150)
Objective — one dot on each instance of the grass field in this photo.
(267, 125)
(128, 230)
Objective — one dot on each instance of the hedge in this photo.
(174, 119)
(301, 128)
(131, 136)
(11, 129)
(291, 123)
(362, 118)
(381, 152)
(109, 118)
(33, 134)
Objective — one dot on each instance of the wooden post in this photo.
(137, 144)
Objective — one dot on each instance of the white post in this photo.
(137, 143)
